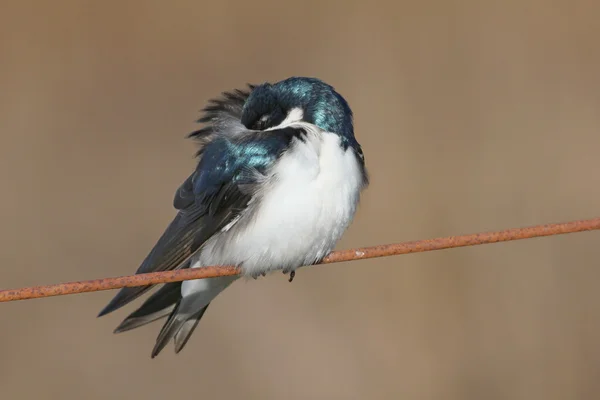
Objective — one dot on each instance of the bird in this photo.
(278, 180)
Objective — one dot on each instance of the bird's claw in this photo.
(255, 276)
(292, 275)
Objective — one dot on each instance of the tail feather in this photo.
(157, 306)
(179, 326)
(184, 313)
(185, 332)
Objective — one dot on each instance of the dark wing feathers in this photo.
(184, 196)
(171, 251)
(157, 306)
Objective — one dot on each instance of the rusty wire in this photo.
(337, 256)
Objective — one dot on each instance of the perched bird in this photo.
(278, 181)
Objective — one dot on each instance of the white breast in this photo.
(309, 200)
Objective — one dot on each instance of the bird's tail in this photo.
(186, 311)
(179, 326)
(166, 301)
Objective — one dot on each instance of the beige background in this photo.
(473, 116)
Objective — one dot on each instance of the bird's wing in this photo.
(229, 173)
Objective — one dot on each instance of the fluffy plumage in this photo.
(277, 183)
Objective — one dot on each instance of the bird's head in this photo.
(298, 99)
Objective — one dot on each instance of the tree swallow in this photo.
(277, 183)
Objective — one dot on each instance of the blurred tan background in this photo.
(473, 116)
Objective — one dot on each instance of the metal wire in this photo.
(337, 256)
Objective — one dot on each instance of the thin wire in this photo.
(337, 256)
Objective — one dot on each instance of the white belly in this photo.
(309, 201)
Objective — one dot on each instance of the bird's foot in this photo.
(290, 271)
(256, 275)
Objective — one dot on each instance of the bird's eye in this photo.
(262, 123)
